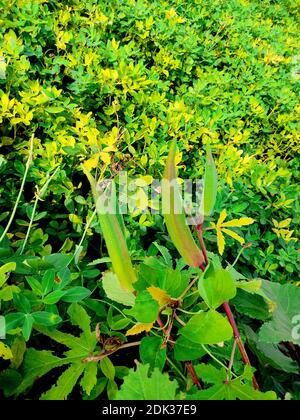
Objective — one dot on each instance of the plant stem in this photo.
(202, 244)
(39, 194)
(231, 361)
(28, 163)
(238, 339)
(108, 353)
(192, 372)
(215, 358)
(176, 368)
(88, 224)
(229, 314)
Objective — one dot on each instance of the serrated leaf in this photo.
(252, 305)
(89, 378)
(138, 328)
(173, 282)
(224, 389)
(145, 309)
(185, 349)
(270, 354)
(65, 383)
(161, 297)
(36, 364)
(115, 291)
(207, 328)
(79, 316)
(151, 352)
(138, 385)
(217, 289)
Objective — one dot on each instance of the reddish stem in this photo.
(202, 244)
(228, 311)
(238, 339)
(193, 374)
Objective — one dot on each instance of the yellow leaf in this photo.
(138, 328)
(234, 235)
(222, 217)
(105, 157)
(275, 223)
(5, 351)
(159, 295)
(243, 221)
(92, 162)
(221, 241)
(285, 223)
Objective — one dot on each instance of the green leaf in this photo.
(224, 389)
(65, 383)
(185, 349)
(76, 294)
(138, 385)
(5, 351)
(48, 281)
(27, 326)
(152, 353)
(285, 322)
(107, 368)
(35, 285)
(115, 291)
(210, 183)
(89, 378)
(80, 317)
(10, 379)
(173, 211)
(173, 282)
(7, 292)
(6, 268)
(21, 303)
(217, 289)
(251, 305)
(165, 253)
(14, 320)
(207, 328)
(47, 319)
(53, 297)
(270, 354)
(145, 309)
(36, 364)
(18, 349)
(252, 286)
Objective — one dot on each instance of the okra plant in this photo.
(180, 312)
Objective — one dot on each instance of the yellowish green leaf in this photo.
(138, 328)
